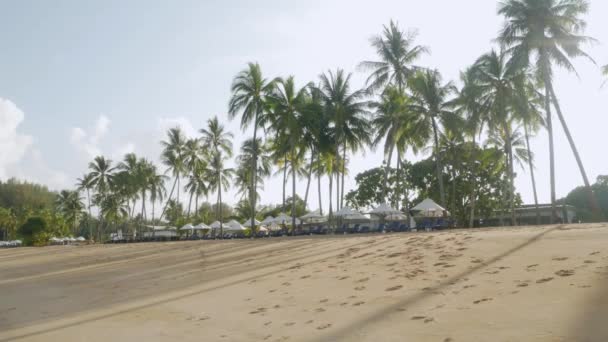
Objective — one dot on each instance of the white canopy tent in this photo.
(429, 208)
(188, 226)
(313, 217)
(247, 223)
(201, 226)
(349, 214)
(215, 225)
(384, 209)
(286, 220)
(268, 220)
(234, 225)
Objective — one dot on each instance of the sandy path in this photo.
(524, 284)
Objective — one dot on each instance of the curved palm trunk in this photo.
(254, 173)
(331, 178)
(579, 162)
(319, 193)
(168, 199)
(397, 182)
(531, 167)
(153, 231)
(312, 159)
(438, 163)
(190, 203)
(143, 211)
(90, 216)
(219, 207)
(386, 172)
(343, 172)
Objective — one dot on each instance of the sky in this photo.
(84, 78)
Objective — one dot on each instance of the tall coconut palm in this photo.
(219, 179)
(548, 32)
(347, 113)
(391, 115)
(69, 204)
(216, 138)
(85, 183)
(102, 177)
(314, 124)
(288, 106)
(173, 158)
(156, 188)
(249, 98)
(250, 151)
(196, 185)
(131, 169)
(397, 53)
(431, 106)
(497, 80)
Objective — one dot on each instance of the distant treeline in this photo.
(21, 195)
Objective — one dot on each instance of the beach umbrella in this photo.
(234, 225)
(429, 208)
(247, 223)
(80, 239)
(201, 226)
(268, 220)
(396, 217)
(286, 220)
(188, 226)
(313, 217)
(384, 209)
(215, 225)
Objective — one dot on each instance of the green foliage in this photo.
(579, 198)
(37, 230)
(21, 196)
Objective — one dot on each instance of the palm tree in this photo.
(131, 171)
(347, 113)
(549, 32)
(69, 203)
(497, 83)
(397, 54)
(288, 106)
(156, 188)
(430, 105)
(219, 178)
(249, 92)
(173, 158)
(102, 178)
(86, 183)
(216, 138)
(196, 185)
(249, 151)
(114, 208)
(391, 116)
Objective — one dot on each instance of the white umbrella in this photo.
(428, 208)
(384, 209)
(234, 226)
(396, 217)
(201, 226)
(268, 220)
(247, 223)
(188, 226)
(286, 220)
(80, 238)
(313, 217)
(215, 225)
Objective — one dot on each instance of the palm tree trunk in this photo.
(284, 180)
(438, 164)
(254, 173)
(551, 152)
(153, 231)
(178, 186)
(312, 159)
(90, 216)
(474, 183)
(190, 203)
(293, 188)
(386, 172)
(343, 173)
(337, 190)
(319, 193)
(579, 162)
(331, 177)
(196, 205)
(219, 207)
(511, 175)
(397, 183)
(168, 199)
(143, 207)
(531, 167)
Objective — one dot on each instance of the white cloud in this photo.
(88, 143)
(165, 124)
(13, 145)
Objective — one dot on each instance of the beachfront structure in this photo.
(526, 215)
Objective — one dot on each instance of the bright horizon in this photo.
(108, 78)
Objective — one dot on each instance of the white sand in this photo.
(523, 284)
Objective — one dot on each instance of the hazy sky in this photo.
(81, 78)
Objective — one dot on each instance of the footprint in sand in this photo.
(429, 320)
(544, 280)
(589, 262)
(394, 288)
(531, 266)
(271, 291)
(324, 300)
(324, 326)
(359, 288)
(277, 306)
(267, 337)
(286, 283)
(343, 278)
(595, 253)
(268, 323)
(257, 311)
(468, 286)
(305, 276)
(401, 309)
(476, 261)
(344, 304)
(523, 285)
(309, 322)
(319, 310)
(565, 273)
(358, 303)
(440, 264)
(418, 318)
(362, 280)
(479, 301)
(448, 339)
(288, 324)
(560, 259)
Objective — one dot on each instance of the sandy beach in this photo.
(511, 284)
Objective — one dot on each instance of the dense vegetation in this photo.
(477, 131)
